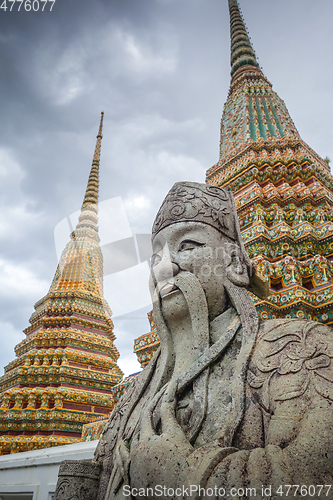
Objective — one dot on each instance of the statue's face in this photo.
(194, 247)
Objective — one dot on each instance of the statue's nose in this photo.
(175, 269)
(165, 270)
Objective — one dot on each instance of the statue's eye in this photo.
(155, 259)
(189, 245)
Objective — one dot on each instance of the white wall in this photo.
(32, 475)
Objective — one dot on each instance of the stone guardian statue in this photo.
(228, 406)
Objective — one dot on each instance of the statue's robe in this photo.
(285, 435)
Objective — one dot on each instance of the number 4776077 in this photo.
(318, 490)
(27, 5)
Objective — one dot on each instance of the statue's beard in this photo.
(189, 298)
(192, 301)
(196, 302)
(185, 297)
(175, 310)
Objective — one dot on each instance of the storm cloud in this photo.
(160, 71)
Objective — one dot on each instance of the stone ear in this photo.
(236, 269)
(238, 274)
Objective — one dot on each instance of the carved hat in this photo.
(191, 201)
(195, 202)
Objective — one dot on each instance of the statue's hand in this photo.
(171, 429)
(161, 459)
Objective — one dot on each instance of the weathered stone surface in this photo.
(78, 480)
(227, 404)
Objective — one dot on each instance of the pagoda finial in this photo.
(242, 53)
(88, 220)
(91, 196)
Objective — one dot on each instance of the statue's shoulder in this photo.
(292, 356)
(272, 330)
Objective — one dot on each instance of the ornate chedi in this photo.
(283, 192)
(65, 372)
(146, 345)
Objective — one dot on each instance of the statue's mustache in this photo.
(184, 281)
(189, 285)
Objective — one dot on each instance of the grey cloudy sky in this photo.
(160, 71)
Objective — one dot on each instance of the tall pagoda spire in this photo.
(75, 269)
(253, 111)
(89, 210)
(91, 195)
(65, 372)
(242, 53)
(283, 192)
(283, 189)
